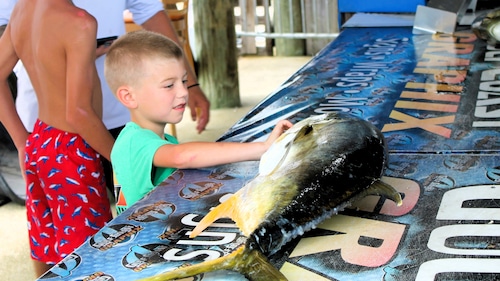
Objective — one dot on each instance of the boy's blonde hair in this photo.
(125, 57)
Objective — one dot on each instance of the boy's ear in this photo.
(125, 96)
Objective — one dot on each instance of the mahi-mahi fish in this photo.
(315, 169)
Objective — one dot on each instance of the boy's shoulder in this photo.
(130, 131)
(133, 136)
(133, 129)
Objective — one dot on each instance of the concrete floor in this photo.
(258, 77)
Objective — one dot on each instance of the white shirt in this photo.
(6, 7)
(109, 16)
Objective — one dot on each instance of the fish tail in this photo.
(256, 267)
(223, 210)
(251, 263)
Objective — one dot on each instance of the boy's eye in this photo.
(184, 81)
(169, 86)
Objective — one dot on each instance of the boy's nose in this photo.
(183, 92)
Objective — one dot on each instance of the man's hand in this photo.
(103, 49)
(199, 107)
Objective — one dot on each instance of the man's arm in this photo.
(198, 102)
(83, 91)
(8, 114)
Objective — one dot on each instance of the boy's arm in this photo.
(8, 114)
(83, 91)
(160, 23)
(205, 154)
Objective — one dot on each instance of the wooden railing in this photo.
(258, 22)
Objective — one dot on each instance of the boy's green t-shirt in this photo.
(132, 160)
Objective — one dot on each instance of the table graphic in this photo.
(435, 98)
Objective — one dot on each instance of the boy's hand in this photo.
(278, 130)
(21, 156)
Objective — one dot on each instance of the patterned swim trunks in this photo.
(66, 195)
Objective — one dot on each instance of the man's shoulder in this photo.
(81, 19)
(67, 20)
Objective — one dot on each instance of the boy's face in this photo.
(161, 92)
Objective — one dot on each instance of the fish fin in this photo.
(275, 155)
(381, 188)
(282, 159)
(251, 263)
(223, 210)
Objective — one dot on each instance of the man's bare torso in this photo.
(55, 63)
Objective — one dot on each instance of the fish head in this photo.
(319, 140)
(293, 144)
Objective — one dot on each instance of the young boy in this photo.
(146, 72)
(66, 197)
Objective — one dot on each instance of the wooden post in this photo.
(288, 19)
(248, 16)
(216, 52)
(321, 16)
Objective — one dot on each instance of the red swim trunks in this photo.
(66, 199)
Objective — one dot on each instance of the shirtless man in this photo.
(66, 196)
